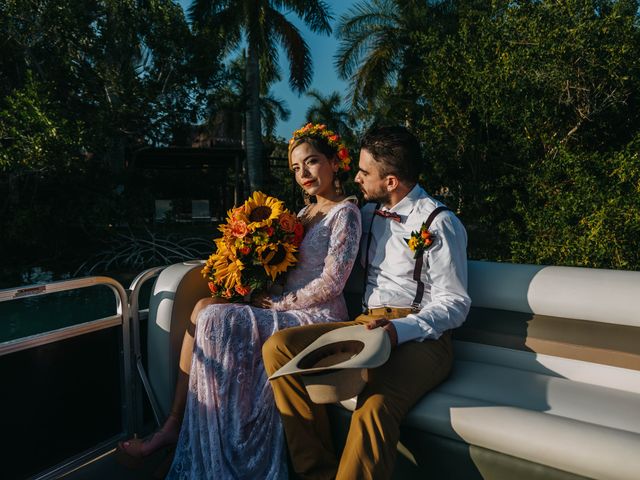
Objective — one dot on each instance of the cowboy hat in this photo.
(334, 367)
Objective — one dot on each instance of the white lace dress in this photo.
(231, 428)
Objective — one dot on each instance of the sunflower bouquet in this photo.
(259, 241)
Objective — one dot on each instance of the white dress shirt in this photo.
(390, 282)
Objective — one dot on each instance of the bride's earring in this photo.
(337, 184)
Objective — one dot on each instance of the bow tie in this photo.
(390, 215)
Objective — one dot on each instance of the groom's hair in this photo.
(396, 149)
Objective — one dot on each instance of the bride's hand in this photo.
(261, 300)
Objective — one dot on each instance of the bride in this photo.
(223, 407)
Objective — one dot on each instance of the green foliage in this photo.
(36, 136)
(528, 114)
(82, 85)
(127, 70)
(583, 210)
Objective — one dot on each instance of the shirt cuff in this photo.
(407, 329)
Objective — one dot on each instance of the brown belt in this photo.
(390, 312)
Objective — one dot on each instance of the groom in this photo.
(415, 289)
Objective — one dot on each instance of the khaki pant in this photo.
(412, 370)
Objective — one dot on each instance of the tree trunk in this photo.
(254, 129)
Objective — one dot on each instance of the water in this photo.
(32, 315)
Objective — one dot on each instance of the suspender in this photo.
(417, 271)
(366, 259)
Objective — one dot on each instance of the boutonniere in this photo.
(420, 240)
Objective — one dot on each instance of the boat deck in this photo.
(106, 467)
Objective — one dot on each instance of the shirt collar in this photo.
(405, 206)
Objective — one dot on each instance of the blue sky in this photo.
(325, 80)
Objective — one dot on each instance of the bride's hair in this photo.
(319, 144)
(328, 144)
(325, 141)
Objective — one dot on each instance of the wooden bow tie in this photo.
(390, 215)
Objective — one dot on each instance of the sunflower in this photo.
(413, 243)
(261, 210)
(230, 274)
(277, 258)
(208, 266)
(225, 264)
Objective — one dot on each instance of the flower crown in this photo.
(316, 130)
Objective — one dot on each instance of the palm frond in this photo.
(316, 14)
(359, 30)
(300, 63)
(273, 109)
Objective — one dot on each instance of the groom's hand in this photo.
(386, 325)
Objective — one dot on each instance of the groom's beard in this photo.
(381, 196)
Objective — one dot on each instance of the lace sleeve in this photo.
(342, 252)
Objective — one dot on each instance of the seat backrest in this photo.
(175, 293)
(599, 295)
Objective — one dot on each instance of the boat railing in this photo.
(127, 319)
(137, 316)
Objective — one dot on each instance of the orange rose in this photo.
(242, 290)
(238, 228)
(343, 154)
(334, 138)
(288, 222)
(213, 288)
(245, 250)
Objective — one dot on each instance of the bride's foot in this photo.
(137, 449)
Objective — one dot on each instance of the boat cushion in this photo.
(596, 342)
(585, 429)
(599, 295)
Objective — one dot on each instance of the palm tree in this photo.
(328, 109)
(232, 95)
(375, 53)
(262, 25)
(272, 109)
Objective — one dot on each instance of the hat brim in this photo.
(347, 347)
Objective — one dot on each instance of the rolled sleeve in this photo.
(409, 328)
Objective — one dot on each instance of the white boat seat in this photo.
(546, 376)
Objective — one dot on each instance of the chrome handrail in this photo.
(122, 311)
(53, 336)
(122, 317)
(60, 286)
(134, 294)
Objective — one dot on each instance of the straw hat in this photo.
(334, 367)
